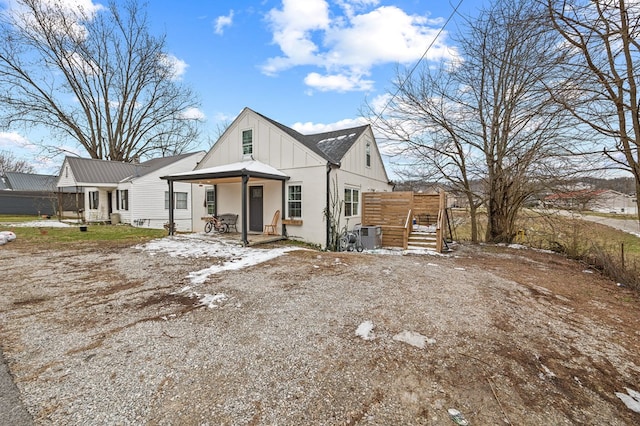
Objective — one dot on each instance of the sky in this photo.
(308, 64)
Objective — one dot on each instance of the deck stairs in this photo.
(422, 240)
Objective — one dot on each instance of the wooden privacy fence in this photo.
(395, 212)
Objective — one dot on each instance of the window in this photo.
(351, 201)
(94, 197)
(247, 142)
(122, 200)
(179, 200)
(368, 154)
(294, 201)
(211, 201)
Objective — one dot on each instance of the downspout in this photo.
(326, 214)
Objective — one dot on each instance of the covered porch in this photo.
(253, 190)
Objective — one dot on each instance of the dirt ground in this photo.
(102, 334)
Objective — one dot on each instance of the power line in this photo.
(451, 15)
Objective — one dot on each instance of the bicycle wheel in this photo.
(222, 228)
(343, 243)
(359, 246)
(207, 227)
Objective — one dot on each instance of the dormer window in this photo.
(247, 142)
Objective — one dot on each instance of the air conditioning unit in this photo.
(371, 237)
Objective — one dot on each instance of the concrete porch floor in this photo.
(255, 238)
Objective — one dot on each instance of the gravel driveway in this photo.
(109, 335)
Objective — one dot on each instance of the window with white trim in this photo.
(247, 142)
(351, 201)
(179, 200)
(294, 201)
(123, 199)
(94, 198)
(211, 200)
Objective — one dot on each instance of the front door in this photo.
(255, 209)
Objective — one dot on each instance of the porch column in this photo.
(284, 205)
(171, 230)
(245, 180)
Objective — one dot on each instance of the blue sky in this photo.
(309, 64)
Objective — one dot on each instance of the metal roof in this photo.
(332, 146)
(94, 171)
(29, 182)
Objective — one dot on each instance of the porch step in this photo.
(422, 240)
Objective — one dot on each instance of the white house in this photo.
(610, 201)
(131, 193)
(259, 166)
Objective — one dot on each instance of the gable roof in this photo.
(250, 168)
(332, 146)
(89, 170)
(29, 182)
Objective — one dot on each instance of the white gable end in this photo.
(270, 145)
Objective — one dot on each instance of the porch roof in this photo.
(230, 172)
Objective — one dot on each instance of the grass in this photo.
(614, 252)
(46, 236)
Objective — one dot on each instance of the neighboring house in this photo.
(610, 201)
(259, 166)
(131, 193)
(27, 194)
(598, 200)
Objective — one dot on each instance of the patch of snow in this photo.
(631, 399)
(365, 330)
(588, 271)
(250, 258)
(8, 235)
(40, 224)
(212, 300)
(414, 339)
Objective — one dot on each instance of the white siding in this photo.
(66, 178)
(147, 195)
(276, 148)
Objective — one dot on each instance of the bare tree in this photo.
(96, 77)
(486, 118)
(602, 73)
(9, 163)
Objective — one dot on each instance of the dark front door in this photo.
(255, 209)
(109, 202)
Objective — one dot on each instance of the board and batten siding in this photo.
(271, 146)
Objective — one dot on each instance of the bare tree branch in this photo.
(95, 77)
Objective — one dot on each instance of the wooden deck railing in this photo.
(394, 213)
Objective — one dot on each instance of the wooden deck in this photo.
(395, 213)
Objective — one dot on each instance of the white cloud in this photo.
(222, 22)
(337, 82)
(193, 113)
(347, 42)
(312, 128)
(175, 66)
(65, 11)
(14, 140)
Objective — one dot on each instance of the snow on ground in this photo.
(365, 330)
(631, 399)
(38, 224)
(231, 255)
(234, 256)
(414, 339)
